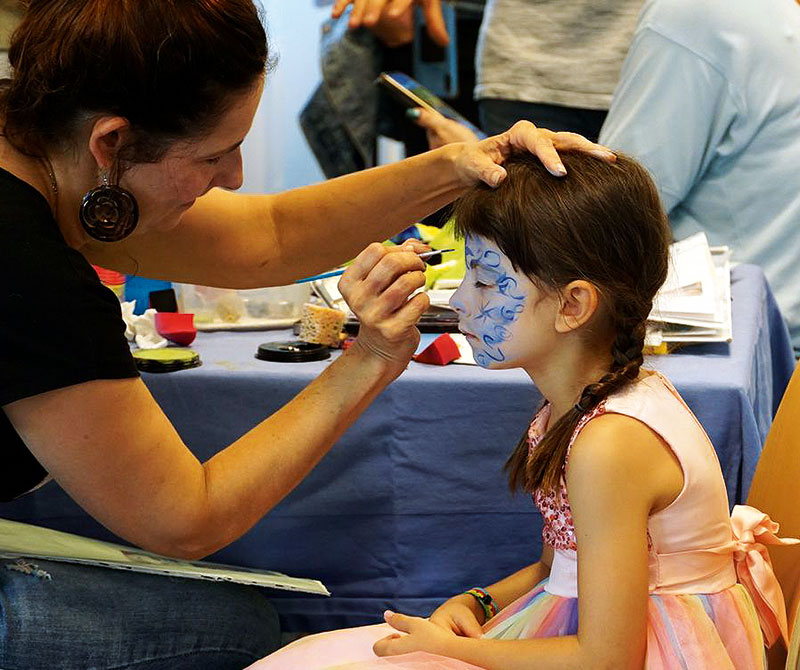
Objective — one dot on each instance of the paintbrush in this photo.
(335, 273)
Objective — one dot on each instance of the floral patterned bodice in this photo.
(558, 530)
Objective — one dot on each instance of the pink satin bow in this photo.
(752, 530)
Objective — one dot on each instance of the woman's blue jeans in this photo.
(61, 616)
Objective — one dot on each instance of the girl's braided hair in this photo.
(602, 223)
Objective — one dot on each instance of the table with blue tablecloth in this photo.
(411, 505)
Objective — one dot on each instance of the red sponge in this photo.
(441, 351)
(177, 327)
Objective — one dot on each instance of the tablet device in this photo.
(410, 93)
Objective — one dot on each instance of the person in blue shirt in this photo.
(709, 102)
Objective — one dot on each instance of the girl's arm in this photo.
(619, 473)
(245, 241)
(463, 615)
(507, 590)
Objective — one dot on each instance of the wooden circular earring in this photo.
(109, 213)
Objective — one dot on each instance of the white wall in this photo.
(276, 156)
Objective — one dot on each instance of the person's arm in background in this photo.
(392, 29)
(439, 129)
(670, 111)
(370, 13)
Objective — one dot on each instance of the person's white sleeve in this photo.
(670, 111)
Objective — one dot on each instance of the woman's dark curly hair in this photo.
(168, 66)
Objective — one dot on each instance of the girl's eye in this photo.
(213, 161)
(481, 284)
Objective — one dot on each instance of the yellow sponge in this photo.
(321, 325)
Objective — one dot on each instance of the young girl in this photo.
(641, 556)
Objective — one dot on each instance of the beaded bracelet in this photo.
(485, 600)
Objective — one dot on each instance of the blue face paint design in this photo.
(500, 300)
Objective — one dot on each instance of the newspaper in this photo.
(694, 304)
(25, 541)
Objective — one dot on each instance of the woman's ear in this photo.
(579, 303)
(106, 138)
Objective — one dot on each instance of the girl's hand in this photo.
(369, 12)
(482, 161)
(422, 635)
(377, 287)
(458, 616)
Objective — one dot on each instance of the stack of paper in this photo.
(694, 305)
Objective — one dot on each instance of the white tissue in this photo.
(141, 328)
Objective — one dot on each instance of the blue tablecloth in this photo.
(411, 505)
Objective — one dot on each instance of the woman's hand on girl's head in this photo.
(377, 287)
(421, 635)
(482, 161)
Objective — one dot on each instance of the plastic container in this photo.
(250, 307)
(138, 289)
(277, 302)
(112, 279)
(210, 305)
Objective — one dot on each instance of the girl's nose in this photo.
(456, 300)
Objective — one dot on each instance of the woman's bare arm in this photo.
(110, 446)
(246, 241)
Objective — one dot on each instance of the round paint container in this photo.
(169, 359)
(294, 351)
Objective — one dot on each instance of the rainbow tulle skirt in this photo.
(718, 631)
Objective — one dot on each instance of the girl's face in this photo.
(167, 189)
(508, 321)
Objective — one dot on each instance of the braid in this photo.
(544, 467)
(627, 354)
(628, 348)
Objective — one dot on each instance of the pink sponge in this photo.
(441, 351)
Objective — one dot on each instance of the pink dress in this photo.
(712, 590)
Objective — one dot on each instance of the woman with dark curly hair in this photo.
(121, 131)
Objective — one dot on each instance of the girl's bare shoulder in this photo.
(621, 451)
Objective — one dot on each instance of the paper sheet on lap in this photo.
(22, 540)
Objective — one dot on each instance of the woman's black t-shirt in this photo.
(59, 326)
